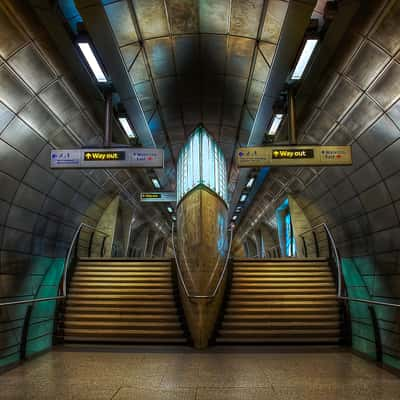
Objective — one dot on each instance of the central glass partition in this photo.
(201, 162)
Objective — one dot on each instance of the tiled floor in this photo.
(155, 373)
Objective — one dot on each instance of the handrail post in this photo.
(305, 252)
(377, 334)
(90, 244)
(103, 246)
(25, 331)
(316, 244)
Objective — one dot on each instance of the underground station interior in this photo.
(200, 199)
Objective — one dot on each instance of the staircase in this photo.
(122, 301)
(281, 301)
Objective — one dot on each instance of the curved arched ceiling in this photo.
(194, 62)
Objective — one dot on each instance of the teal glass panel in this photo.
(201, 162)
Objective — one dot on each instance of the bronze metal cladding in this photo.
(201, 249)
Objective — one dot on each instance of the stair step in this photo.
(285, 325)
(293, 297)
(284, 285)
(143, 333)
(119, 280)
(122, 317)
(233, 316)
(109, 339)
(121, 286)
(109, 274)
(281, 303)
(121, 303)
(119, 297)
(280, 340)
(282, 290)
(265, 333)
(279, 311)
(73, 324)
(121, 291)
(102, 263)
(150, 309)
(282, 273)
(284, 279)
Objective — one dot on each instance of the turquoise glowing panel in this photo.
(201, 161)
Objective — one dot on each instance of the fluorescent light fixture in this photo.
(238, 209)
(156, 183)
(304, 59)
(173, 218)
(234, 218)
(126, 126)
(91, 59)
(276, 123)
(243, 198)
(250, 182)
(170, 210)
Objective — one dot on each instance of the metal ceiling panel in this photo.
(160, 56)
(235, 89)
(214, 16)
(120, 18)
(274, 19)
(187, 55)
(183, 16)
(213, 53)
(231, 116)
(167, 91)
(245, 17)
(261, 68)
(151, 17)
(130, 53)
(145, 96)
(138, 71)
(239, 57)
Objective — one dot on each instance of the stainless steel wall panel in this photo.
(375, 197)
(387, 33)
(214, 16)
(13, 93)
(382, 218)
(62, 193)
(29, 198)
(5, 116)
(383, 133)
(13, 162)
(23, 138)
(22, 219)
(8, 185)
(386, 89)
(394, 113)
(365, 177)
(16, 240)
(40, 119)
(57, 99)
(31, 67)
(387, 162)
(361, 116)
(393, 184)
(39, 178)
(368, 62)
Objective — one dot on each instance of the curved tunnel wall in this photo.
(40, 208)
(357, 103)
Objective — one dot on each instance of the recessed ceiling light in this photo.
(304, 59)
(94, 65)
(156, 183)
(126, 126)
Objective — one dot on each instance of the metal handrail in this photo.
(338, 263)
(67, 262)
(214, 293)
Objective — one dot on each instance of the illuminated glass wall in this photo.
(201, 162)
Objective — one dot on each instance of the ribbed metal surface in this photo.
(286, 302)
(122, 301)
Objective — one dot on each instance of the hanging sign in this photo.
(155, 197)
(291, 156)
(107, 158)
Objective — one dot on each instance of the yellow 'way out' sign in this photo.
(291, 156)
